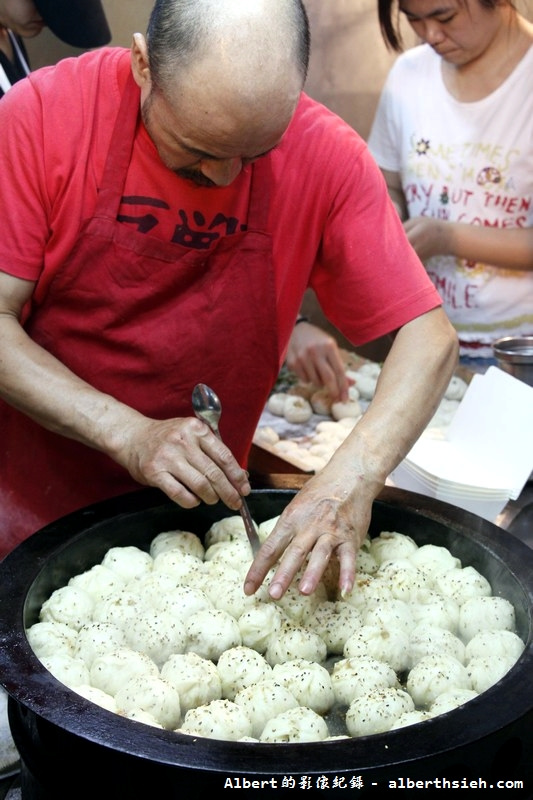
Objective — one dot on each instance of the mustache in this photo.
(195, 176)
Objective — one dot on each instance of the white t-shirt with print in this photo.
(466, 162)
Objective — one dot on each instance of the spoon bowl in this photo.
(207, 406)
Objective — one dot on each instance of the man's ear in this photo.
(139, 60)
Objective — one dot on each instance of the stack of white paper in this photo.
(486, 456)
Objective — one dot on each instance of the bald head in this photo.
(257, 49)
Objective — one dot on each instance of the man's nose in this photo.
(222, 173)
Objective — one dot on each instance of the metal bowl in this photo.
(489, 738)
(514, 354)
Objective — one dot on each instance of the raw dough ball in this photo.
(182, 601)
(236, 554)
(377, 711)
(196, 679)
(460, 584)
(366, 563)
(321, 402)
(295, 642)
(228, 595)
(451, 699)
(128, 562)
(434, 609)
(456, 388)
(330, 429)
(266, 436)
(157, 633)
(390, 646)
(403, 578)
(435, 674)
(298, 607)
(367, 593)
(48, 638)
(211, 632)
(98, 581)
(67, 669)
(356, 677)
(410, 718)
(495, 643)
(69, 605)
(119, 608)
(258, 624)
(427, 639)
(138, 715)
(485, 671)
(432, 559)
(295, 725)
(220, 719)
(154, 695)
(276, 403)
(112, 670)
(228, 529)
(485, 613)
(364, 383)
(310, 683)
(264, 700)
(371, 368)
(182, 567)
(239, 667)
(391, 545)
(185, 541)
(335, 621)
(348, 408)
(151, 587)
(97, 696)
(297, 410)
(390, 614)
(97, 638)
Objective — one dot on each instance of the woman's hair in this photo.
(180, 31)
(389, 15)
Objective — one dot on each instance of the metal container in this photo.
(514, 354)
(72, 748)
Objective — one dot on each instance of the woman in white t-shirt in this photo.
(453, 135)
(80, 23)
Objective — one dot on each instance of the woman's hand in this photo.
(429, 237)
(314, 356)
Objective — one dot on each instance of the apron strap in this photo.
(118, 158)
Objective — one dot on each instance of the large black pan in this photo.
(59, 734)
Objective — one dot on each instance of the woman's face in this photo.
(458, 30)
(22, 17)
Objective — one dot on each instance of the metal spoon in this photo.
(207, 407)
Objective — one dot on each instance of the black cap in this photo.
(80, 23)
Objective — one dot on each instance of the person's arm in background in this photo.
(314, 356)
(509, 248)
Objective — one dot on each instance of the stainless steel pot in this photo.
(514, 354)
(490, 738)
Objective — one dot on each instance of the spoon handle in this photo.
(249, 525)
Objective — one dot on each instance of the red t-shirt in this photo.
(332, 224)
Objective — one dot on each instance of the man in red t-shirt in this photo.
(164, 211)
